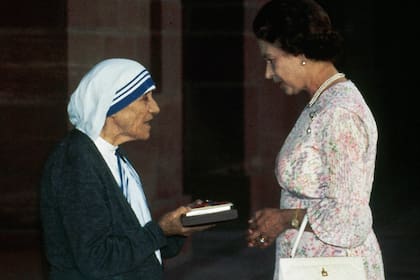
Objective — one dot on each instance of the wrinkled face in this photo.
(282, 67)
(133, 120)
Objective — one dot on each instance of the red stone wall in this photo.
(46, 51)
(32, 95)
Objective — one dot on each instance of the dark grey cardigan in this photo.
(89, 229)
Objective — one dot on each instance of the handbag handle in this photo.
(299, 236)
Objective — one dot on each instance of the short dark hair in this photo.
(298, 27)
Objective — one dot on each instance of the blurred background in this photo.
(221, 124)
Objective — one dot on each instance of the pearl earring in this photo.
(303, 63)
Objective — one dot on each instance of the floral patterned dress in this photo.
(326, 166)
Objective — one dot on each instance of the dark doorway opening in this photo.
(213, 102)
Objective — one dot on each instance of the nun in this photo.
(96, 223)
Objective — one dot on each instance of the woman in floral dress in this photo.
(326, 165)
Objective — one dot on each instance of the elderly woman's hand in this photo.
(266, 225)
(170, 223)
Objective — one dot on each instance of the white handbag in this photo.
(319, 268)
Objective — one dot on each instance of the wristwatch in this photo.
(295, 221)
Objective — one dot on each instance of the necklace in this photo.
(324, 85)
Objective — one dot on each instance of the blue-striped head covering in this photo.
(107, 88)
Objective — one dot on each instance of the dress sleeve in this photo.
(173, 247)
(343, 217)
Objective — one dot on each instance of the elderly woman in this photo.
(325, 167)
(95, 217)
